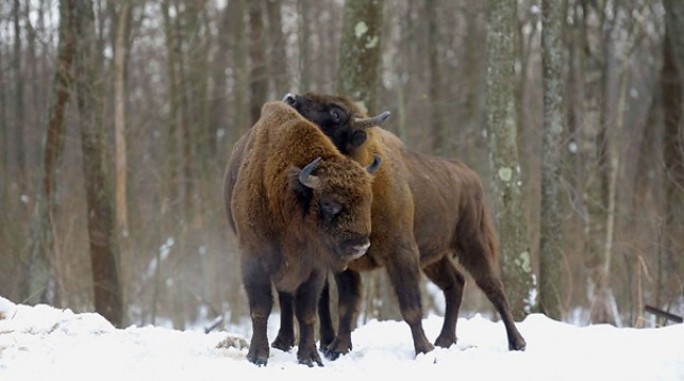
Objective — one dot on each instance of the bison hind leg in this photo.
(446, 276)
(481, 264)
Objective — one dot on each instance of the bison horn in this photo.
(289, 99)
(372, 167)
(363, 123)
(305, 176)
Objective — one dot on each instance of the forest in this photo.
(117, 118)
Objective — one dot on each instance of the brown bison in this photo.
(293, 225)
(426, 210)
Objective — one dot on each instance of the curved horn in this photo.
(305, 176)
(372, 167)
(377, 120)
(290, 99)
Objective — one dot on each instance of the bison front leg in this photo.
(285, 339)
(326, 330)
(405, 277)
(258, 288)
(349, 296)
(306, 300)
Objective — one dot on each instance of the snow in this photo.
(44, 343)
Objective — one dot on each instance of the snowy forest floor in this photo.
(44, 343)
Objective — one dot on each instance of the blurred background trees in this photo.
(169, 85)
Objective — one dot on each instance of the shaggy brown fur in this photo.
(291, 229)
(425, 211)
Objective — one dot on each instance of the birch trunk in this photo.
(100, 214)
(502, 135)
(551, 229)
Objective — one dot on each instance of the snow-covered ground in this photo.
(44, 343)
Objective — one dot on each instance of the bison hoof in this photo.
(424, 348)
(258, 358)
(445, 341)
(336, 348)
(309, 358)
(518, 344)
(284, 344)
(331, 354)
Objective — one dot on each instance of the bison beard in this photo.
(293, 225)
(425, 211)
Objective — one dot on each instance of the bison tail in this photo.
(489, 234)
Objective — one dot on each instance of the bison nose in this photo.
(289, 99)
(361, 249)
(356, 250)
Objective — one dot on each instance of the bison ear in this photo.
(373, 167)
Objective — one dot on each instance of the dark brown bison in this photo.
(293, 225)
(426, 210)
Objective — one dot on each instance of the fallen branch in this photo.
(663, 314)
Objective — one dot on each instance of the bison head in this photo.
(334, 197)
(338, 117)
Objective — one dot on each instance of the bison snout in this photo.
(354, 249)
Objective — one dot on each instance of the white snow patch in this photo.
(44, 343)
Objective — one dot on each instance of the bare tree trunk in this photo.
(184, 116)
(671, 281)
(551, 229)
(32, 65)
(277, 44)
(596, 159)
(4, 135)
(359, 61)
(241, 121)
(120, 58)
(42, 228)
(19, 117)
(502, 133)
(101, 218)
(219, 97)
(440, 139)
(304, 26)
(172, 161)
(258, 79)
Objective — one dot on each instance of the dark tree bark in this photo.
(172, 162)
(42, 225)
(671, 265)
(440, 138)
(304, 62)
(277, 44)
(219, 95)
(359, 61)
(502, 134)
(99, 208)
(258, 79)
(551, 229)
(4, 131)
(19, 117)
(241, 74)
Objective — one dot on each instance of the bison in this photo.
(299, 209)
(426, 211)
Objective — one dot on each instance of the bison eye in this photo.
(335, 115)
(330, 209)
